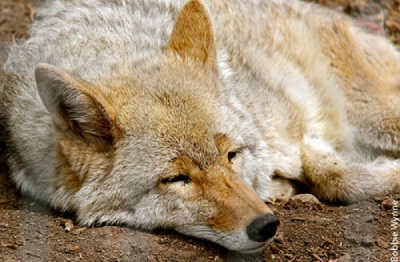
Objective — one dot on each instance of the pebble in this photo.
(381, 242)
(306, 198)
(367, 241)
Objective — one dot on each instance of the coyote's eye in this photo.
(178, 178)
(231, 155)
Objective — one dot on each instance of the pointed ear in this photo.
(73, 106)
(192, 35)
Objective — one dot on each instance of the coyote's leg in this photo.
(333, 178)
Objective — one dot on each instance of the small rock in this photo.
(310, 218)
(352, 239)
(388, 203)
(367, 218)
(163, 240)
(367, 241)
(74, 248)
(381, 242)
(279, 237)
(273, 248)
(306, 198)
(79, 230)
(68, 224)
(152, 258)
(379, 199)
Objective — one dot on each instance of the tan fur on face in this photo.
(224, 145)
(77, 162)
(68, 177)
(232, 203)
(236, 202)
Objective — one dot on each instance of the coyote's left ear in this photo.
(192, 35)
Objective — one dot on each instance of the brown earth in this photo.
(309, 231)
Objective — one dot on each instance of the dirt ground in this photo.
(309, 231)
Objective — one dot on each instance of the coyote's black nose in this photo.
(263, 228)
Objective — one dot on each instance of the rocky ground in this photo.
(309, 231)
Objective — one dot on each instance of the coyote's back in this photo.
(191, 114)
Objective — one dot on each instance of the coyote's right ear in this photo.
(74, 106)
(192, 35)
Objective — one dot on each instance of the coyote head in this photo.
(146, 144)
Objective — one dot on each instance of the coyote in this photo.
(192, 114)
